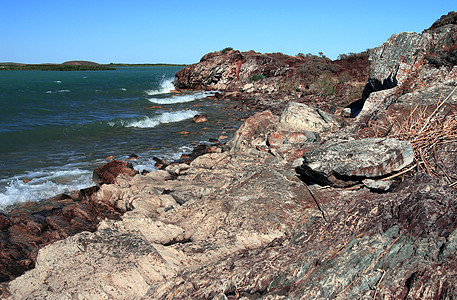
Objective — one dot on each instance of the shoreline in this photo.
(308, 201)
(32, 217)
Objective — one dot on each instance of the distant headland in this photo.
(74, 65)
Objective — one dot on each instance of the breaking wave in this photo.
(180, 98)
(166, 86)
(44, 184)
(166, 117)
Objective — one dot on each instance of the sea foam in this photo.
(44, 184)
(166, 117)
(166, 86)
(181, 98)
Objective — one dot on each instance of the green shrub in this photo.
(225, 50)
(256, 77)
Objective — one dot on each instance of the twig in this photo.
(402, 172)
(315, 200)
(381, 255)
(379, 282)
(437, 108)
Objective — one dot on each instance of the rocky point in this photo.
(301, 203)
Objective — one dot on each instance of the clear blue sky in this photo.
(140, 31)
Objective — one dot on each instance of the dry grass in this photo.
(427, 130)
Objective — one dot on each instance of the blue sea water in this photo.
(56, 127)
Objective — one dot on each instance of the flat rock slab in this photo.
(343, 163)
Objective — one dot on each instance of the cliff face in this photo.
(249, 222)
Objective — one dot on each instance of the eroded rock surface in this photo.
(343, 163)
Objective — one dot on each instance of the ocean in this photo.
(57, 127)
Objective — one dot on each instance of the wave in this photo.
(166, 117)
(166, 86)
(58, 91)
(181, 98)
(44, 184)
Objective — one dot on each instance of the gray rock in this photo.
(301, 117)
(343, 163)
(378, 185)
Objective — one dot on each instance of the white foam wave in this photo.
(181, 98)
(166, 117)
(44, 184)
(57, 81)
(166, 85)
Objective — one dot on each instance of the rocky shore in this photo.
(314, 197)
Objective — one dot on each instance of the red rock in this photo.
(276, 138)
(107, 173)
(4, 221)
(84, 194)
(200, 118)
(297, 138)
(253, 130)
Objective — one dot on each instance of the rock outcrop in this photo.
(268, 81)
(410, 62)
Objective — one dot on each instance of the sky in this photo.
(170, 31)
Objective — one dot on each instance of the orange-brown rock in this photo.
(109, 171)
(200, 118)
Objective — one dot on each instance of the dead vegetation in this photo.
(429, 130)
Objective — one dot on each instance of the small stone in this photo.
(378, 185)
(133, 157)
(346, 112)
(200, 118)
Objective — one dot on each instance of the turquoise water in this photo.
(56, 127)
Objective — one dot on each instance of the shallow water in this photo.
(56, 127)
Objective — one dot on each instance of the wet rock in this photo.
(107, 173)
(200, 118)
(343, 163)
(133, 156)
(4, 221)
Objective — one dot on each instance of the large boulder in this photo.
(254, 132)
(343, 163)
(301, 117)
(107, 173)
